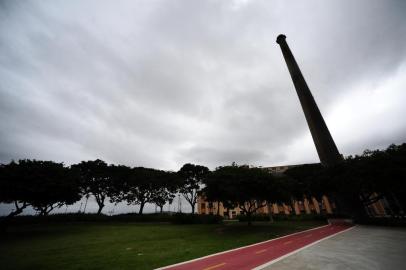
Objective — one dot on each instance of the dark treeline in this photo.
(46, 185)
(358, 182)
(353, 185)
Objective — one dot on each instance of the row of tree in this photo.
(46, 185)
(354, 184)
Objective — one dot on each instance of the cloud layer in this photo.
(162, 83)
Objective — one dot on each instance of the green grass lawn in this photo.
(128, 245)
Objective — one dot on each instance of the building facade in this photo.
(307, 206)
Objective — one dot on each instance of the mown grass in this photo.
(128, 245)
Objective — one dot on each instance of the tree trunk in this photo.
(84, 209)
(399, 206)
(358, 209)
(347, 205)
(49, 210)
(101, 205)
(100, 202)
(15, 213)
(161, 209)
(249, 219)
(43, 212)
(141, 208)
(4, 223)
(270, 213)
(193, 208)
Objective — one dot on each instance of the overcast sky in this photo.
(162, 83)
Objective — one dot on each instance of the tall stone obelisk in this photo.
(326, 148)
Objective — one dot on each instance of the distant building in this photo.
(280, 169)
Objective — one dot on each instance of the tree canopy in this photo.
(191, 177)
(243, 187)
(96, 178)
(44, 185)
(139, 186)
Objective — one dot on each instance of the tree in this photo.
(213, 190)
(396, 177)
(119, 181)
(241, 186)
(192, 177)
(56, 186)
(44, 185)
(14, 188)
(307, 180)
(140, 186)
(165, 189)
(378, 174)
(315, 180)
(96, 177)
(279, 192)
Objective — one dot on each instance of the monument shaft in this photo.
(326, 148)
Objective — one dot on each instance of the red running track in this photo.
(258, 254)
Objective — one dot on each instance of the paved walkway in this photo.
(258, 254)
(364, 247)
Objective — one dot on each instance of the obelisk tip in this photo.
(280, 38)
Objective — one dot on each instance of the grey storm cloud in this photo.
(162, 83)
